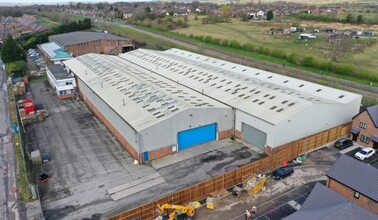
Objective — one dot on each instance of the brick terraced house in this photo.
(365, 127)
(356, 181)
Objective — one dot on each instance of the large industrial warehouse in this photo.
(157, 103)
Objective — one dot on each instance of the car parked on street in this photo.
(343, 143)
(282, 172)
(364, 153)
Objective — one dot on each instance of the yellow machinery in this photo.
(253, 183)
(178, 212)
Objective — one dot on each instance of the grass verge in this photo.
(38, 79)
(21, 174)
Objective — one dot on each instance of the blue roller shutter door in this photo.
(195, 136)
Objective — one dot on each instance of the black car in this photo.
(282, 172)
(45, 158)
(343, 143)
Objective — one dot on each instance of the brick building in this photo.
(325, 204)
(365, 127)
(80, 43)
(355, 181)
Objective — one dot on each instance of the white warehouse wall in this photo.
(164, 133)
(314, 119)
(242, 117)
(118, 123)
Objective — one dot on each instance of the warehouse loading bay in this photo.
(92, 176)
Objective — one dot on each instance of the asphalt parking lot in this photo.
(85, 158)
(87, 161)
(371, 160)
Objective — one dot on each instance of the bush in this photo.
(278, 54)
(308, 61)
(247, 47)
(224, 43)
(235, 44)
(208, 39)
(216, 41)
(292, 58)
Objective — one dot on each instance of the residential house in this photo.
(365, 127)
(325, 204)
(356, 181)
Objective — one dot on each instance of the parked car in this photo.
(282, 172)
(343, 143)
(364, 153)
(45, 158)
(44, 178)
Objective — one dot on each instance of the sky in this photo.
(13, 2)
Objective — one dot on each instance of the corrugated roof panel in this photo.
(137, 97)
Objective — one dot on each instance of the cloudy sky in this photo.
(59, 1)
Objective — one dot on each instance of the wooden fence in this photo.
(199, 191)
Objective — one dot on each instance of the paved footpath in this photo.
(9, 204)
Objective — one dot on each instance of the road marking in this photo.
(89, 148)
(97, 155)
(294, 205)
(133, 183)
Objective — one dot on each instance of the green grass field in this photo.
(47, 22)
(255, 33)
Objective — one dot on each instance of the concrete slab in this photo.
(133, 183)
(137, 188)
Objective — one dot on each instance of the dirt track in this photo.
(365, 90)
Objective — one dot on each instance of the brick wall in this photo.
(238, 134)
(162, 152)
(369, 131)
(100, 46)
(348, 193)
(66, 96)
(120, 138)
(225, 134)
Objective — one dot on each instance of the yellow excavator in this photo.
(177, 212)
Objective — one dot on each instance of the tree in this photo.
(17, 68)
(349, 18)
(360, 19)
(270, 15)
(147, 10)
(226, 12)
(12, 51)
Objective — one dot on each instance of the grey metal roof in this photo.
(356, 175)
(325, 204)
(82, 37)
(355, 130)
(58, 71)
(140, 97)
(269, 96)
(373, 112)
(374, 138)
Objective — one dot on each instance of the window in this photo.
(356, 195)
(364, 139)
(363, 125)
